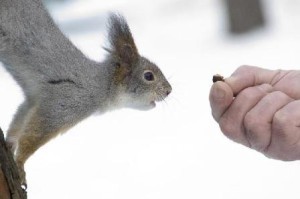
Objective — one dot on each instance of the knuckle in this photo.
(280, 131)
(251, 121)
(244, 68)
(233, 130)
(253, 128)
(282, 125)
(282, 119)
(223, 125)
(226, 127)
(278, 75)
(264, 88)
(246, 93)
(255, 93)
(273, 96)
(279, 95)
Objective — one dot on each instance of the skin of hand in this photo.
(260, 109)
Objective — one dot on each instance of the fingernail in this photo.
(218, 93)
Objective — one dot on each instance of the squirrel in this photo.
(61, 85)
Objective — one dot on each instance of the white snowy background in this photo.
(175, 151)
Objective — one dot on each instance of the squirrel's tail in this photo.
(26, 79)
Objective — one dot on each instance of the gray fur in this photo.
(61, 85)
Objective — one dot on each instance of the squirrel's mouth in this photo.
(154, 101)
(153, 104)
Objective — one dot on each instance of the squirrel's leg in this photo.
(32, 138)
(29, 143)
(17, 125)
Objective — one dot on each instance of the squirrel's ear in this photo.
(120, 39)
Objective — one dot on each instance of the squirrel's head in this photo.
(139, 81)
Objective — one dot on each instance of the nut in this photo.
(217, 78)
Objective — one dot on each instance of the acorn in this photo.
(217, 78)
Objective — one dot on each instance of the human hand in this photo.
(265, 112)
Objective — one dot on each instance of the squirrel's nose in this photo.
(168, 88)
(169, 91)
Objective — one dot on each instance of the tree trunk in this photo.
(10, 185)
(244, 15)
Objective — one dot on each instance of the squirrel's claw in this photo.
(22, 175)
(24, 186)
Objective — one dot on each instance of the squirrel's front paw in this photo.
(22, 175)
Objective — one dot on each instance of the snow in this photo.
(176, 150)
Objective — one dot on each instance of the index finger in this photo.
(248, 76)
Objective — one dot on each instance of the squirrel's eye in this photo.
(149, 76)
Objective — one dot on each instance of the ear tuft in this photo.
(121, 40)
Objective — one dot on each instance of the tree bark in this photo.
(10, 184)
(244, 15)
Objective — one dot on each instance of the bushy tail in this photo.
(25, 79)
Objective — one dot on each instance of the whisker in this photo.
(164, 100)
(170, 77)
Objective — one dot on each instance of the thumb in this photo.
(220, 98)
(248, 76)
